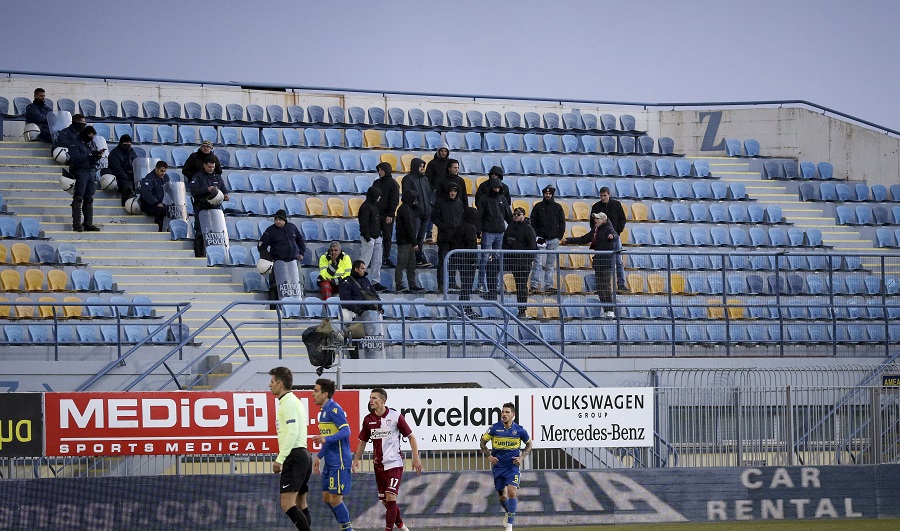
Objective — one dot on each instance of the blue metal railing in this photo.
(473, 97)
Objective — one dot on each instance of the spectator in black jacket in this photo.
(84, 158)
(152, 193)
(36, 113)
(407, 241)
(356, 287)
(549, 223)
(68, 135)
(194, 163)
(387, 209)
(370, 235)
(519, 236)
(435, 171)
(447, 217)
(417, 180)
(616, 215)
(281, 241)
(464, 262)
(601, 238)
(483, 188)
(121, 160)
(495, 215)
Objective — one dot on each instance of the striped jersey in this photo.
(385, 432)
(333, 425)
(505, 442)
(290, 423)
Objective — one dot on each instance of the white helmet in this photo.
(32, 132)
(133, 205)
(264, 266)
(67, 184)
(216, 198)
(108, 182)
(61, 155)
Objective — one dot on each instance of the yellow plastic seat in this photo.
(735, 308)
(10, 279)
(639, 212)
(624, 236)
(406, 162)
(4, 307)
(315, 206)
(336, 207)
(4, 252)
(372, 138)
(656, 283)
(578, 261)
(353, 204)
(26, 311)
(46, 312)
(714, 309)
(57, 280)
(579, 231)
(567, 210)
(391, 159)
(635, 283)
(480, 180)
(470, 186)
(582, 210)
(531, 310)
(21, 253)
(72, 311)
(521, 203)
(34, 280)
(574, 283)
(676, 283)
(509, 282)
(427, 158)
(551, 312)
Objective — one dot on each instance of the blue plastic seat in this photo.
(473, 141)
(627, 167)
(644, 167)
(732, 147)
(607, 166)
(287, 160)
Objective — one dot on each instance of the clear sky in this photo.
(840, 54)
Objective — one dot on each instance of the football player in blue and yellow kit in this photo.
(335, 457)
(506, 454)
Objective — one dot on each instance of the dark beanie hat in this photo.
(125, 138)
(281, 214)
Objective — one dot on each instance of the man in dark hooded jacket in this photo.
(519, 236)
(194, 163)
(152, 193)
(447, 217)
(495, 215)
(84, 158)
(370, 236)
(483, 188)
(387, 209)
(36, 113)
(202, 186)
(549, 222)
(70, 134)
(464, 262)
(437, 167)
(417, 181)
(121, 160)
(453, 176)
(281, 241)
(407, 241)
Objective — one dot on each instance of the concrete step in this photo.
(108, 231)
(180, 288)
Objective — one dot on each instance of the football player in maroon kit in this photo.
(385, 427)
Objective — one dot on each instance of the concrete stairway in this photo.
(141, 260)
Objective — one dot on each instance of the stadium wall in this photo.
(436, 500)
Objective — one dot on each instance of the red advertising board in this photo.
(173, 423)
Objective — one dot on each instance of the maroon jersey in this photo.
(385, 433)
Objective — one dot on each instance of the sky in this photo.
(838, 54)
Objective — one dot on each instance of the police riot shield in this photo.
(287, 279)
(371, 346)
(175, 201)
(100, 145)
(57, 121)
(141, 168)
(213, 229)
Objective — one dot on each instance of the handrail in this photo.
(474, 97)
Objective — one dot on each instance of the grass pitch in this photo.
(769, 525)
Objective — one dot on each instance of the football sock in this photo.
(510, 510)
(305, 512)
(342, 515)
(390, 515)
(298, 518)
(399, 519)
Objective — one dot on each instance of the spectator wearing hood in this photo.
(497, 172)
(495, 215)
(437, 167)
(447, 217)
(281, 241)
(370, 233)
(407, 241)
(519, 236)
(549, 223)
(36, 113)
(121, 164)
(453, 176)
(84, 158)
(602, 237)
(194, 163)
(387, 209)
(464, 262)
(417, 181)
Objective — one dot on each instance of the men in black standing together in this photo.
(390, 199)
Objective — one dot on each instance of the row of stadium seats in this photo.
(172, 110)
(88, 334)
(57, 280)
(31, 253)
(866, 215)
(87, 308)
(791, 170)
(25, 228)
(844, 192)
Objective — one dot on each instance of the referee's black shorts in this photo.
(295, 471)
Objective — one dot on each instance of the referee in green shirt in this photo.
(293, 461)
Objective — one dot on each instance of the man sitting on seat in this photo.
(121, 164)
(152, 193)
(333, 266)
(36, 113)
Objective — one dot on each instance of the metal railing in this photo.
(473, 97)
